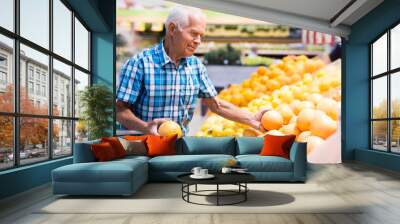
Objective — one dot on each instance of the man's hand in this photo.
(152, 126)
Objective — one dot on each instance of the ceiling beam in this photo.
(268, 15)
(347, 11)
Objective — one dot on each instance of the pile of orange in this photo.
(303, 95)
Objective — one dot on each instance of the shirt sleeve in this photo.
(207, 89)
(130, 81)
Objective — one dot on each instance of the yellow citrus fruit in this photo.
(329, 106)
(228, 132)
(295, 78)
(284, 79)
(315, 98)
(294, 104)
(245, 83)
(297, 108)
(293, 120)
(273, 84)
(261, 70)
(169, 128)
(251, 132)
(305, 118)
(286, 112)
(289, 129)
(324, 85)
(272, 120)
(307, 79)
(286, 96)
(274, 132)
(323, 126)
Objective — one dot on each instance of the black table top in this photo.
(220, 178)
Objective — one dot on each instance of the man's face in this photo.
(188, 38)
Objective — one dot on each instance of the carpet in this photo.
(166, 198)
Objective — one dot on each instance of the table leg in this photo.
(217, 194)
(182, 189)
(245, 193)
(196, 188)
(188, 189)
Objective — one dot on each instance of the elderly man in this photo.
(164, 82)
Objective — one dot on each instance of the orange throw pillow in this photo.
(103, 152)
(275, 145)
(161, 145)
(116, 145)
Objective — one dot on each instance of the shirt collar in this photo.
(165, 59)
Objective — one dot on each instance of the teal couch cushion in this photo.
(203, 145)
(185, 163)
(117, 177)
(249, 145)
(111, 171)
(257, 163)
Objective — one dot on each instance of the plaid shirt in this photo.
(156, 88)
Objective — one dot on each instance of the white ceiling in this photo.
(317, 15)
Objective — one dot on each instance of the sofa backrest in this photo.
(249, 145)
(192, 145)
(83, 153)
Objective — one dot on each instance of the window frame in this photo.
(16, 114)
(388, 74)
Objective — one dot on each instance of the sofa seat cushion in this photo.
(185, 163)
(257, 163)
(112, 171)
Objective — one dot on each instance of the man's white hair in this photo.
(179, 15)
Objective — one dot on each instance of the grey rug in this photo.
(166, 198)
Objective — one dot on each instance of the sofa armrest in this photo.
(83, 152)
(298, 155)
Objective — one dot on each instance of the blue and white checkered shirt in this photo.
(155, 88)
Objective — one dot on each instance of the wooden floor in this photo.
(378, 188)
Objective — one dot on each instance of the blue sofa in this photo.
(125, 176)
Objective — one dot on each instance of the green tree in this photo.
(96, 101)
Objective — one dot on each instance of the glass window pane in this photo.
(34, 80)
(6, 142)
(81, 45)
(395, 94)
(379, 98)
(62, 141)
(395, 47)
(33, 139)
(379, 135)
(35, 21)
(379, 55)
(7, 14)
(62, 29)
(395, 136)
(81, 131)
(81, 81)
(62, 89)
(6, 74)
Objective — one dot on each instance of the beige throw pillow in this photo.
(134, 147)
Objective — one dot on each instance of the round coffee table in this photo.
(238, 179)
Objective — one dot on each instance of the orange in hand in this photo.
(169, 128)
(272, 120)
